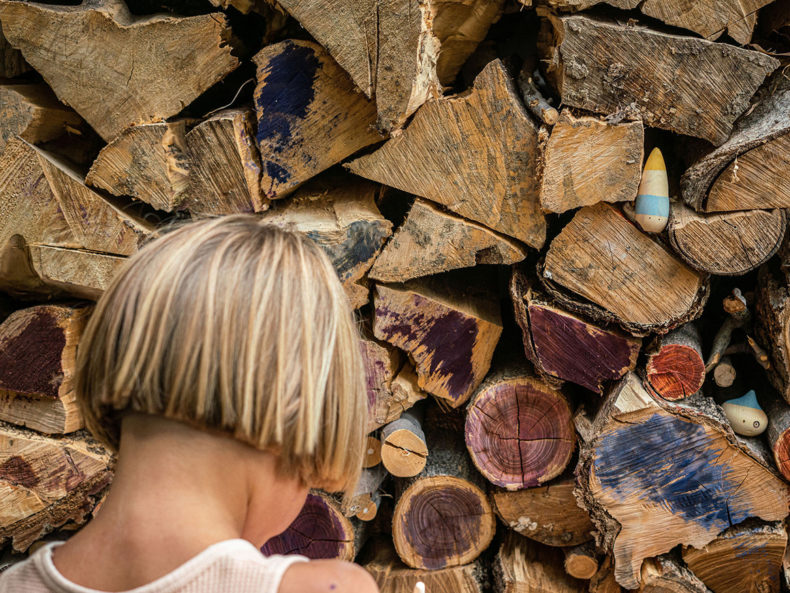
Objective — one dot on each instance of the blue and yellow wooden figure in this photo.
(745, 415)
(652, 201)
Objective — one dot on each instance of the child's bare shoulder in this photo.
(327, 576)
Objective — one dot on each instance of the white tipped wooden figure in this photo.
(652, 201)
(745, 415)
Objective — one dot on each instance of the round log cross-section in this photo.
(320, 531)
(676, 369)
(442, 521)
(519, 431)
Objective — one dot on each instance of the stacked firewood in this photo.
(569, 390)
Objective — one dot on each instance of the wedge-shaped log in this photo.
(523, 565)
(692, 86)
(180, 57)
(665, 573)
(654, 476)
(446, 155)
(310, 116)
(605, 258)
(46, 482)
(448, 330)
(431, 240)
(589, 160)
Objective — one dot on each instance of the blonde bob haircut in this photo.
(235, 326)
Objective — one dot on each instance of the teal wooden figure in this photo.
(745, 415)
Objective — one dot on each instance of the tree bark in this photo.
(523, 565)
(773, 324)
(778, 434)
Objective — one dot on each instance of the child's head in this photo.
(232, 325)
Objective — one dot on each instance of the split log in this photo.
(548, 514)
(446, 155)
(565, 346)
(519, 431)
(46, 482)
(148, 162)
(442, 517)
(310, 116)
(589, 160)
(32, 112)
(372, 452)
(747, 557)
(364, 503)
(748, 171)
(779, 435)
(692, 86)
(431, 240)
(523, 565)
(727, 244)
(403, 448)
(392, 576)
(225, 167)
(180, 57)
(339, 213)
(449, 330)
(657, 475)
(675, 367)
(12, 64)
(319, 531)
(581, 562)
(38, 349)
(606, 259)
(773, 323)
(603, 580)
(664, 574)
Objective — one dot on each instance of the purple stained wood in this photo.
(574, 350)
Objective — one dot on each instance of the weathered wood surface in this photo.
(180, 57)
(772, 308)
(46, 482)
(664, 574)
(603, 257)
(363, 504)
(12, 63)
(689, 86)
(339, 213)
(603, 581)
(446, 155)
(589, 160)
(522, 565)
(148, 162)
(729, 243)
(32, 112)
(565, 346)
(449, 330)
(778, 434)
(319, 531)
(519, 430)
(747, 557)
(581, 562)
(547, 514)
(654, 476)
(403, 448)
(675, 368)
(431, 240)
(310, 116)
(757, 146)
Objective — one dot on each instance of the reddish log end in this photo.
(676, 371)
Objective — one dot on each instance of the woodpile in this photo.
(561, 224)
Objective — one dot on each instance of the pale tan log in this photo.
(581, 562)
(382, 362)
(372, 452)
(403, 448)
(687, 85)
(225, 166)
(608, 260)
(76, 267)
(730, 243)
(32, 112)
(323, 121)
(59, 416)
(431, 241)
(46, 482)
(446, 155)
(363, 503)
(522, 565)
(104, 62)
(589, 160)
(147, 162)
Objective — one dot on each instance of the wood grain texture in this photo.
(12, 63)
(589, 160)
(32, 112)
(547, 514)
(449, 332)
(693, 86)
(778, 434)
(603, 581)
(654, 476)
(675, 368)
(581, 562)
(445, 155)
(565, 346)
(178, 56)
(46, 482)
(747, 557)
(728, 243)
(605, 258)
(522, 565)
(431, 240)
(665, 574)
(772, 324)
(79, 269)
(403, 448)
(310, 116)
(148, 162)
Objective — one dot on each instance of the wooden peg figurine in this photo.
(652, 201)
(745, 415)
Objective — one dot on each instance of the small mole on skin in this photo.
(332, 587)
